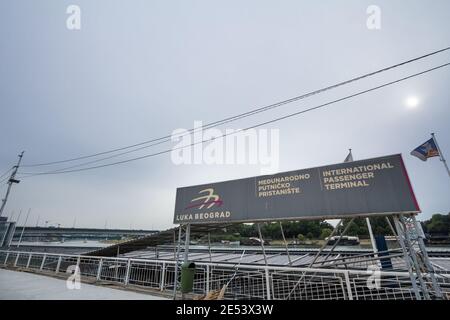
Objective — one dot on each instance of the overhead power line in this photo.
(3, 180)
(6, 172)
(167, 138)
(61, 171)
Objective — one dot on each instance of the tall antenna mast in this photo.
(12, 179)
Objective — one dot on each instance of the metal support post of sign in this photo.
(407, 258)
(174, 245)
(209, 246)
(391, 227)
(187, 240)
(285, 244)
(426, 259)
(175, 281)
(208, 267)
(267, 275)
(412, 253)
(372, 238)
(261, 241)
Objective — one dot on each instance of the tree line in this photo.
(320, 229)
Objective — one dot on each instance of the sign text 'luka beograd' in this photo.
(367, 187)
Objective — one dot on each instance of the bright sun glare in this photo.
(412, 102)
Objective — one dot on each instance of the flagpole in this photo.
(441, 155)
(369, 226)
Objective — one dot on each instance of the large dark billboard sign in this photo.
(377, 186)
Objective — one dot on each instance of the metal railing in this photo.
(244, 281)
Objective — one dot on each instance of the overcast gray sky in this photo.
(139, 69)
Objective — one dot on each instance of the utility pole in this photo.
(12, 179)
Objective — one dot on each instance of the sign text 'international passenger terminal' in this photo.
(367, 187)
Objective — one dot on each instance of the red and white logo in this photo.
(209, 200)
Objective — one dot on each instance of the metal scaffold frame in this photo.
(422, 274)
(409, 235)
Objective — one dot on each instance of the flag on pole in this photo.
(349, 158)
(426, 150)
